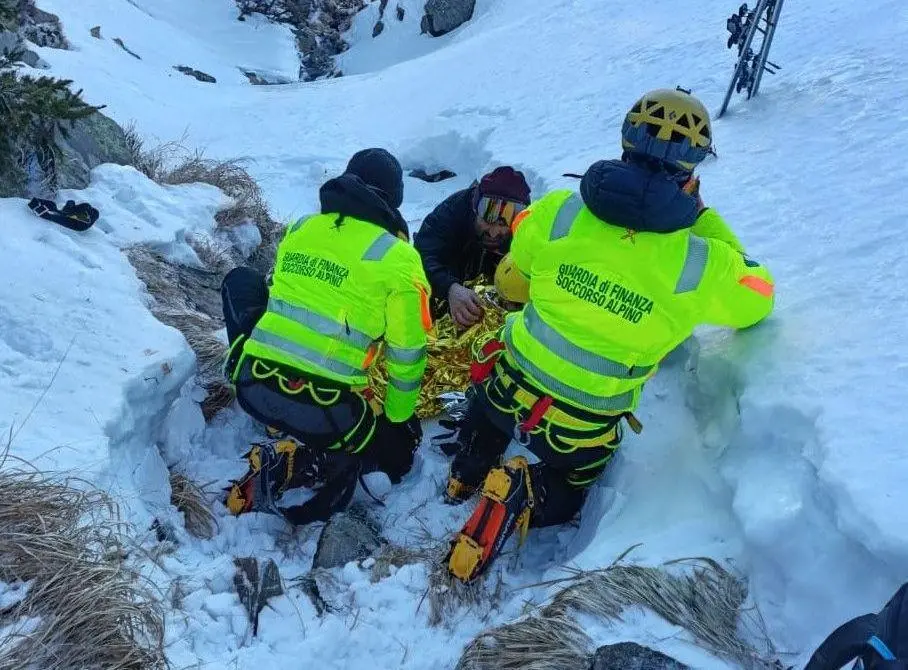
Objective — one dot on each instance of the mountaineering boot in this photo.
(272, 470)
(468, 469)
(459, 488)
(481, 450)
(506, 503)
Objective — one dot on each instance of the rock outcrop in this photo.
(443, 16)
(317, 25)
(59, 143)
(88, 143)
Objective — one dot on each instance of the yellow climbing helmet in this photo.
(671, 126)
(512, 285)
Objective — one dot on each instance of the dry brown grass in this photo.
(218, 396)
(85, 608)
(708, 601)
(554, 643)
(189, 299)
(445, 596)
(448, 596)
(172, 164)
(191, 499)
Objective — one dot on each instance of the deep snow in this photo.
(779, 449)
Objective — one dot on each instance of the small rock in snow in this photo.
(348, 536)
(632, 656)
(198, 74)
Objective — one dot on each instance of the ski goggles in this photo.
(498, 210)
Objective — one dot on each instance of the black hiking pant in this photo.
(563, 477)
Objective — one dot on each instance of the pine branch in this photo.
(34, 111)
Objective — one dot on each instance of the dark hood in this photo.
(348, 195)
(632, 196)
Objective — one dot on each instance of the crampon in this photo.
(272, 469)
(506, 503)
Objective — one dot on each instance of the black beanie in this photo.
(379, 169)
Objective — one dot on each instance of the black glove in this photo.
(412, 428)
(450, 442)
(394, 445)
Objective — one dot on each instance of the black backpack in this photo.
(876, 641)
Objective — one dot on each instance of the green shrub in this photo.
(34, 112)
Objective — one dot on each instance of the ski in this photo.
(743, 26)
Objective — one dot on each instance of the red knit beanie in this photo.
(507, 183)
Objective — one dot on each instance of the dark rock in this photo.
(255, 585)
(120, 44)
(318, 26)
(11, 42)
(200, 289)
(198, 74)
(400, 13)
(254, 79)
(443, 16)
(379, 27)
(89, 142)
(348, 536)
(96, 32)
(382, 6)
(42, 28)
(632, 656)
(310, 587)
(164, 531)
(419, 173)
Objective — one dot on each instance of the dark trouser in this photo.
(244, 294)
(322, 414)
(566, 471)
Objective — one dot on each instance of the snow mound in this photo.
(87, 373)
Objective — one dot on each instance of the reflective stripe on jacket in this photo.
(608, 303)
(340, 286)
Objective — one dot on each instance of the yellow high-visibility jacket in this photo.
(337, 292)
(607, 303)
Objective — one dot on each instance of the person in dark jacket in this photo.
(466, 236)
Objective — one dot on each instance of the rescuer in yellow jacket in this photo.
(612, 279)
(347, 288)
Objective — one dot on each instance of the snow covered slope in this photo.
(780, 448)
(87, 372)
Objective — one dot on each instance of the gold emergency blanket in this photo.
(449, 354)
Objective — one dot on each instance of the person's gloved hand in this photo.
(395, 445)
(465, 305)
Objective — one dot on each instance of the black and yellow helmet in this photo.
(671, 126)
